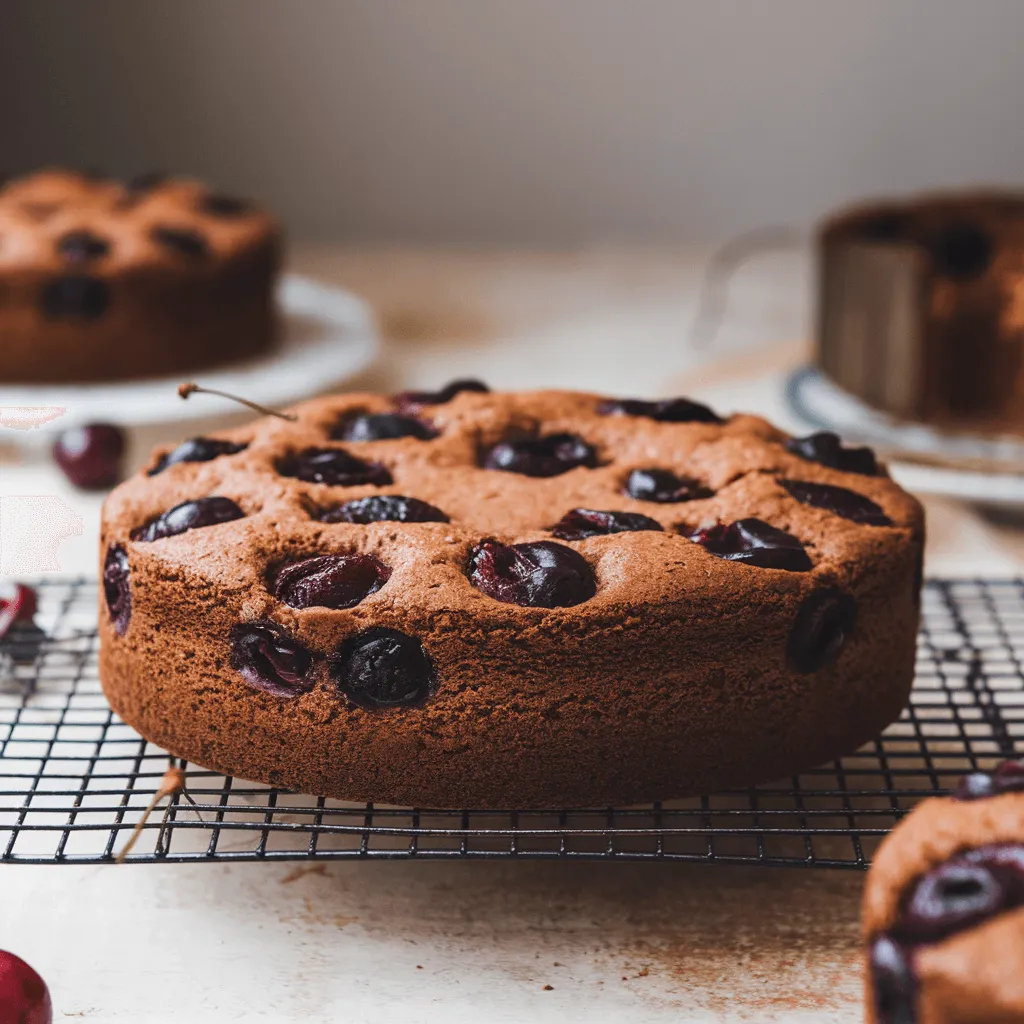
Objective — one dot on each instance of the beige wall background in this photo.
(546, 122)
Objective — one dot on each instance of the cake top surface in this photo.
(63, 220)
(506, 469)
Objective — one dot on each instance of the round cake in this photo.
(921, 309)
(103, 280)
(943, 916)
(463, 598)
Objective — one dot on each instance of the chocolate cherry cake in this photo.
(922, 308)
(943, 915)
(102, 279)
(462, 598)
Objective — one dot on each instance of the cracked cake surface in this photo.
(520, 630)
(103, 279)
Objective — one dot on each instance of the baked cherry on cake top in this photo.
(105, 279)
(943, 916)
(469, 598)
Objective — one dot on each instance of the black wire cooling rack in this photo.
(75, 780)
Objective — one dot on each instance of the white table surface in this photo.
(425, 942)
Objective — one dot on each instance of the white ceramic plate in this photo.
(328, 337)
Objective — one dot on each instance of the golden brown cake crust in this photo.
(974, 976)
(164, 278)
(672, 679)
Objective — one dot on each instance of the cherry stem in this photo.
(173, 782)
(184, 390)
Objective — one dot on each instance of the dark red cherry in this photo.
(962, 251)
(668, 410)
(826, 449)
(90, 456)
(848, 504)
(888, 226)
(1007, 778)
(329, 581)
(414, 400)
(380, 508)
(538, 575)
(893, 983)
(754, 542)
(146, 182)
(189, 515)
(24, 997)
(382, 426)
(663, 486)
(21, 639)
(75, 297)
(224, 206)
(117, 587)
(961, 893)
(82, 246)
(383, 668)
(180, 240)
(196, 449)
(333, 466)
(541, 456)
(581, 523)
(823, 625)
(269, 659)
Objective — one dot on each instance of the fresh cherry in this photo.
(269, 659)
(581, 523)
(754, 542)
(382, 426)
(82, 246)
(333, 466)
(379, 508)
(329, 581)
(827, 449)
(189, 515)
(383, 668)
(20, 638)
(893, 982)
(117, 587)
(848, 504)
(668, 410)
(181, 240)
(75, 296)
(24, 997)
(90, 456)
(964, 891)
(541, 456)
(196, 449)
(663, 486)
(1007, 778)
(411, 401)
(538, 575)
(823, 625)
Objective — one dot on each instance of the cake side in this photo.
(943, 909)
(678, 675)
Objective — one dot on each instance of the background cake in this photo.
(484, 600)
(943, 916)
(102, 279)
(921, 308)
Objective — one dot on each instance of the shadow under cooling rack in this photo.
(74, 779)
